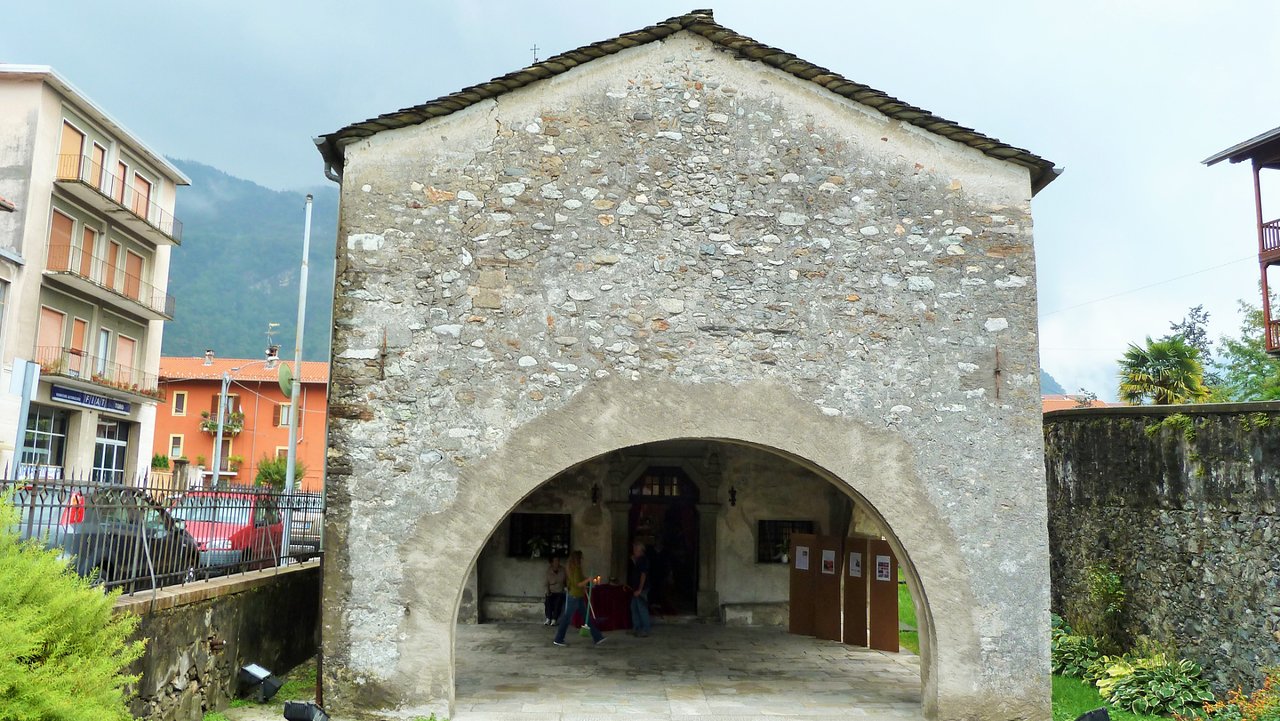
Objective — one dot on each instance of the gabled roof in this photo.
(699, 22)
(194, 369)
(1263, 149)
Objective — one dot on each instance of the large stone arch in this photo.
(876, 466)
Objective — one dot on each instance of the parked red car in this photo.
(234, 530)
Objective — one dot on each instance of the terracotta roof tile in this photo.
(194, 369)
(699, 22)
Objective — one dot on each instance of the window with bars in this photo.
(773, 538)
(539, 535)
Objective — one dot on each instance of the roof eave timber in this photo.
(699, 22)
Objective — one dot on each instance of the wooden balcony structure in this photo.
(1263, 153)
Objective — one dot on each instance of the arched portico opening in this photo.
(874, 465)
(713, 515)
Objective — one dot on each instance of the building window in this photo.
(175, 447)
(180, 403)
(773, 538)
(282, 414)
(538, 535)
(44, 444)
(110, 449)
(282, 452)
(233, 406)
(104, 349)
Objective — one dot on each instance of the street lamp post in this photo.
(295, 386)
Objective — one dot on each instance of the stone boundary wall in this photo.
(1182, 503)
(199, 635)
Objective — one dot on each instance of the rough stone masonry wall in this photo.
(199, 636)
(1187, 516)
(673, 218)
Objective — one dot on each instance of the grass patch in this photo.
(214, 716)
(1073, 697)
(909, 640)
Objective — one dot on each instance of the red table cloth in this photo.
(611, 606)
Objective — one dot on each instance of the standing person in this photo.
(638, 578)
(553, 604)
(576, 600)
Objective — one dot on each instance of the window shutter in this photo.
(275, 420)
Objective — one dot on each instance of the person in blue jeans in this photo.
(576, 600)
(639, 580)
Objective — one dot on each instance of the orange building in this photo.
(257, 422)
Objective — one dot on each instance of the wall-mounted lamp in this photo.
(733, 495)
(595, 493)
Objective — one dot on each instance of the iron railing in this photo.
(75, 363)
(145, 535)
(108, 275)
(81, 168)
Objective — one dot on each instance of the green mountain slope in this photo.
(238, 266)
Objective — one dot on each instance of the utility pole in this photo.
(295, 387)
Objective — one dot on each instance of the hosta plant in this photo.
(1155, 685)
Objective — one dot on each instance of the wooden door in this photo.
(50, 334)
(60, 229)
(141, 196)
(98, 169)
(827, 608)
(88, 247)
(801, 592)
(113, 255)
(125, 348)
(79, 334)
(132, 275)
(882, 597)
(69, 152)
(117, 183)
(855, 591)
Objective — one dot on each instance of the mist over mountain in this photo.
(238, 267)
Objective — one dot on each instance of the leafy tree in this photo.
(62, 647)
(1165, 371)
(1086, 398)
(1193, 329)
(1247, 372)
(273, 471)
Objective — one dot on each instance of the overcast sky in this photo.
(1128, 96)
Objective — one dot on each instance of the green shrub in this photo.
(272, 472)
(1059, 625)
(1072, 655)
(1155, 685)
(160, 462)
(62, 648)
(1261, 705)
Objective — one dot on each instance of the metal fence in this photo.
(154, 532)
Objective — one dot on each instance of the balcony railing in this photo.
(73, 363)
(108, 276)
(1270, 237)
(1273, 337)
(81, 168)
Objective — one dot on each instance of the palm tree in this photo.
(1166, 372)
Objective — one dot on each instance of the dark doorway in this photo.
(664, 517)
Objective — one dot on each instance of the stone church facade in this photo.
(682, 249)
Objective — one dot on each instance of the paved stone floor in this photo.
(694, 671)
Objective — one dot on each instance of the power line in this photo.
(1145, 287)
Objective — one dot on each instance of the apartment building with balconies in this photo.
(84, 267)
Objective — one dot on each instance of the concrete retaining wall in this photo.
(1185, 510)
(199, 636)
